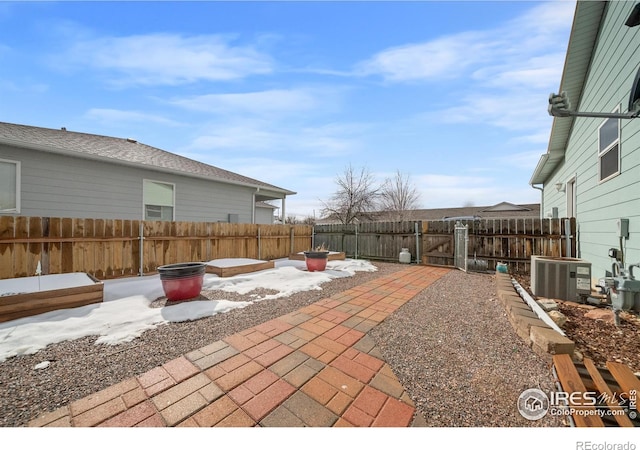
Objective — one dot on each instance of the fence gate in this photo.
(461, 243)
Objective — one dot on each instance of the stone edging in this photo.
(539, 336)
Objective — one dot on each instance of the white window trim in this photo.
(15, 210)
(609, 147)
(173, 200)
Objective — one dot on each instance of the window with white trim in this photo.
(609, 148)
(9, 186)
(158, 200)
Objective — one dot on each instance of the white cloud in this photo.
(286, 137)
(247, 137)
(111, 116)
(510, 69)
(541, 137)
(483, 187)
(544, 21)
(518, 110)
(270, 170)
(437, 181)
(441, 58)
(169, 59)
(23, 86)
(535, 72)
(513, 48)
(445, 197)
(261, 102)
(521, 160)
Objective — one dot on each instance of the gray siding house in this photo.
(591, 170)
(59, 173)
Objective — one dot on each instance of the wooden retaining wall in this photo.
(106, 248)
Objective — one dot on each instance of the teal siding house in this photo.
(591, 170)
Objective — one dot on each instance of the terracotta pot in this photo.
(182, 281)
(316, 261)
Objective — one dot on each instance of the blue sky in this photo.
(451, 93)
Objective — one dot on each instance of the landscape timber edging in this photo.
(538, 336)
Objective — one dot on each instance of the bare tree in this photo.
(355, 198)
(309, 220)
(397, 196)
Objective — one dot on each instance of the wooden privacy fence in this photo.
(512, 241)
(375, 240)
(111, 248)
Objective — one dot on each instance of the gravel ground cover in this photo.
(452, 348)
(458, 357)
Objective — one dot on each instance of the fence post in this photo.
(356, 252)
(141, 271)
(417, 243)
(567, 236)
(291, 236)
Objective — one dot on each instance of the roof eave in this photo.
(584, 35)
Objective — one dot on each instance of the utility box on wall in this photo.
(560, 278)
(623, 228)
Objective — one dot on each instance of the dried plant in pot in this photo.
(316, 259)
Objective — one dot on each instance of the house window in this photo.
(158, 200)
(609, 148)
(9, 186)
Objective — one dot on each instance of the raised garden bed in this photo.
(28, 296)
(235, 266)
(333, 256)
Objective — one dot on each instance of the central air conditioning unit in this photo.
(560, 278)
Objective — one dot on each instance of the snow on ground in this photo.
(13, 286)
(233, 262)
(125, 312)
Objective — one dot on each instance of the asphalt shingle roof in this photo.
(119, 151)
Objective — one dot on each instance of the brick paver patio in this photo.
(314, 367)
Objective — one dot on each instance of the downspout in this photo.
(541, 189)
(284, 212)
(253, 206)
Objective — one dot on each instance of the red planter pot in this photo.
(182, 281)
(316, 261)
